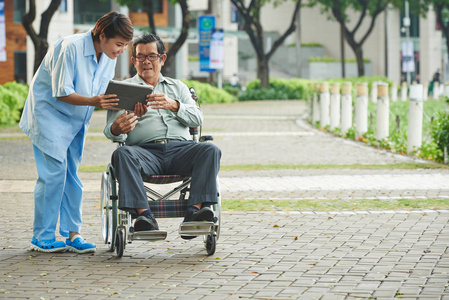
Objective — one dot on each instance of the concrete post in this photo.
(404, 91)
(346, 107)
(309, 100)
(415, 117)
(394, 92)
(425, 91)
(324, 105)
(361, 110)
(316, 105)
(383, 111)
(374, 92)
(335, 106)
(446, 89)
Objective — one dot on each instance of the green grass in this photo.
(334, 205)
(256, 167)
(407, 166)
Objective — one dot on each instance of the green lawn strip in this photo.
(334, 205)
(256, 167)
(101, 168)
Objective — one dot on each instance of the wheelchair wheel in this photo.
(217, 209)
(120, 242)
(211, 243)
(108, 210)
(105, 208)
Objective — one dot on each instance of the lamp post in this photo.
(407, 36)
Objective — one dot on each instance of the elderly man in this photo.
(158, 142)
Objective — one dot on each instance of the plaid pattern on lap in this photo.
(164, 179)
(168, 208)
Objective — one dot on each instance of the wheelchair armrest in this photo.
(206, 138)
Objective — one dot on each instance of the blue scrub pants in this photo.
(58, 192)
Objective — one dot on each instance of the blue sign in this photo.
(205, 26)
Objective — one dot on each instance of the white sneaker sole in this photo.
(52, 250)
(72, 249)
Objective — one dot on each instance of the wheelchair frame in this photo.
(117, 229)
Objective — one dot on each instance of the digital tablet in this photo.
(128, 93)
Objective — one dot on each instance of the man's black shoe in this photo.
(194, 214)
(144, 223)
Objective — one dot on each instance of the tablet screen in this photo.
(129, 93)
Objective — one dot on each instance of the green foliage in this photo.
(440, 134)
(331, 59)
(209, 94)
(279, 89)
(311, 45)
(12, 99)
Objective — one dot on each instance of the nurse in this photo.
(69, 83)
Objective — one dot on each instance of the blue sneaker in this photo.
(47, 245)
(79, 245)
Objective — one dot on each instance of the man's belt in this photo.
(163, 141)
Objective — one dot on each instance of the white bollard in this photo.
(335, 106)
(361, 110)
(446, 89)
(425, 91)
(324, 105)
(374, 92)
(404, 91)
(394, 92)
(316, 105)
(415, 117)
(383, 112)
(346, 107)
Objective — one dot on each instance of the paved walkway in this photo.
(260, 255)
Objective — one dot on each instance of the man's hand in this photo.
(105, 101)
(161, 101)
(124, 123)
(140, 109)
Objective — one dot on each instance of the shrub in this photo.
(295, 88)
(440, 134)
(209, 94)
(12, 99)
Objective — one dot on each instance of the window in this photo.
(20, 66)
(19, 10)
(157, 7)
(88, 11)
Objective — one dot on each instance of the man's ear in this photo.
(133, 59)
(163, 58)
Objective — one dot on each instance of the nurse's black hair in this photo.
(113, 24)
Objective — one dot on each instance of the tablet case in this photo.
(129, 93)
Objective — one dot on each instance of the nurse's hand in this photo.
(140, 109)
(105, 101)
(124, 123)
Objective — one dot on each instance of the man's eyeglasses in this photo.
(151, 57)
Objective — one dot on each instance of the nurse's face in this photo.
(113, 47)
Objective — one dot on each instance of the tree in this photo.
(253, 27)
(174, 48)
(441, 8)
(367, 8)
(39, 40)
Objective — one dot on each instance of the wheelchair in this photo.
(116, 225)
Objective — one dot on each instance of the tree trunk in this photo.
(148, 7)
(174, 48)
(359, 56)
(263, 71)
(39, 40)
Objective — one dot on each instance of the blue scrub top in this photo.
(69, 67)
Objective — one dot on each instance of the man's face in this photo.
(148, 70)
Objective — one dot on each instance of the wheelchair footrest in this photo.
(197, 228)
(150, 235)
